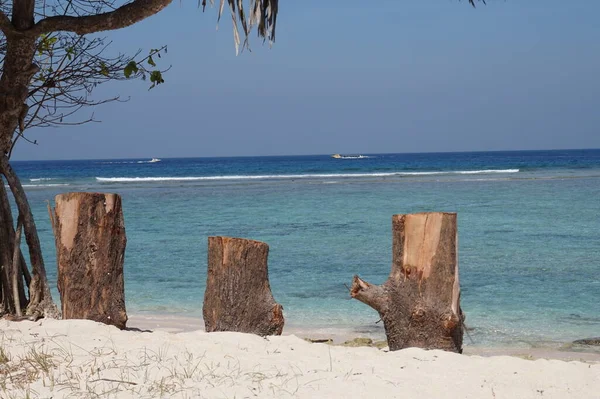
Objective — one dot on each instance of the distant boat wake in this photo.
(297, 176)
(153, 160)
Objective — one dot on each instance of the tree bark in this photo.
(238, 295)
(90, 249)
(6, 298)
(6, 242)
(119, 18)
(16, 270)
(420, 302)
(18, 69)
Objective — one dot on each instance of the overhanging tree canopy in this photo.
(50, 65)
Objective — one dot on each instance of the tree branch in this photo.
(122, 17)
(5, 25)
(370, 294)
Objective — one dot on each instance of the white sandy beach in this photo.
(81, 359)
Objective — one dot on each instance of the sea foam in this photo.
(298, 176)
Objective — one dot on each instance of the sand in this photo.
(81, 359)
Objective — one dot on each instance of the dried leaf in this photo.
(262, 13)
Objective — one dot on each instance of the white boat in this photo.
(357, 156)
(154, 160)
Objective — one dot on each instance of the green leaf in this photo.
(151, 61)
(103, 69)
(46, 44)
(156, 78)
(130, 68)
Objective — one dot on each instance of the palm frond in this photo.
(472, 2)
(262, 14)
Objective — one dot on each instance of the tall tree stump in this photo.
(420, 301)
(238, 295)
(90, 248)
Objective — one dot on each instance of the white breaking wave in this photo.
(43, 179)
(306, 176)
(45, 185)
(474, 172)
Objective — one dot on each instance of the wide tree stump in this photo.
(238, 295)
(420, 301)
(90, 248)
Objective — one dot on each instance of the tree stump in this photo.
(420, 301)
(238, 295)
(90, 247)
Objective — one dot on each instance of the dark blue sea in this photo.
(529, 231)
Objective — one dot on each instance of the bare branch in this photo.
(122, 17)
(71, 67)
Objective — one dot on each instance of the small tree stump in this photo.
(420, 302)
(90, 247)
(238, 295)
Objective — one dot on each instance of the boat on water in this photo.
(354, 156)
(154, 160)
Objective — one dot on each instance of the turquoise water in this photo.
(529, 231)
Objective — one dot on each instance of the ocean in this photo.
(529, 231)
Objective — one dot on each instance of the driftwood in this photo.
(420, 302)
(90, 248)
(238, 295)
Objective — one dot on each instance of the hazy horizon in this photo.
(411, 78)
(315, 154)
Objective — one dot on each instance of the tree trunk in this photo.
(12, 301)
(16, 270)
(7, 299)
(238, 295)
(40, 298)
(90, 248)
(18, 69)
(420, 302)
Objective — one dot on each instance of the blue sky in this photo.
(354, 77)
